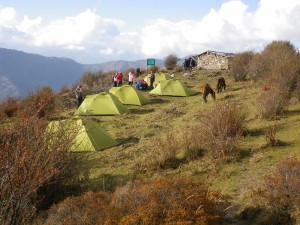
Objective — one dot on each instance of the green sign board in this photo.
(150, 62)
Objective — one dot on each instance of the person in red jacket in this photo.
(119, 79)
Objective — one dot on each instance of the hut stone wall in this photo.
(214, 61)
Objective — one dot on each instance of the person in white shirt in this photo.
(130, 78)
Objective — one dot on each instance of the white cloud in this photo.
(75, 47)
(106, 51)
(7, 17)
(70, 31)
(231, 28)
(29, 26)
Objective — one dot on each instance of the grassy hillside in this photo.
(147, 125)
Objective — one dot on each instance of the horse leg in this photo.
(204, 99)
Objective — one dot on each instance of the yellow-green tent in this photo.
(172, 87)
(104, 103)
(158, 77)
(129, 95)
(86, 135)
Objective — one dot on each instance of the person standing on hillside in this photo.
(119, 79)
(152, 79)
(138, 72)
(79, 95)
(130, 78)
(114, 79)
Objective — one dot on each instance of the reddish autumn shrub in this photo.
(152, 201)
(8, 107)
(90, 208)
(29, 162)
(40, 103)
(166, 201)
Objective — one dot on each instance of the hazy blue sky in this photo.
(94, 31)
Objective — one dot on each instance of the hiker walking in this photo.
(130, 78)
(152, 79)
(78, 95)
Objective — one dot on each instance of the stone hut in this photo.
(190, 62)
(211, 60)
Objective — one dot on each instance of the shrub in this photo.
(9, 107)
(162, 153)
(240, 65)
(171, 149)
(167, 201)
(155, 69)
(27, 163)
(90, 208)
(278, 65)
(271, 137)
(285, 75)
(152, 201)
(271, 104)
(177, 69)
(170, 61)
(88, 79)
(278, 191)
(221, 128)
(95, 82)
(40, 104)
(190, 141)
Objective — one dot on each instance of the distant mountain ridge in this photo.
(21, 73)
(24, 72)
(121, 65)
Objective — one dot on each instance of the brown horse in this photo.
(206, 89)
(221, 84)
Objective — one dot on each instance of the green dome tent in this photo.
(129, 95)
(87, 135)
(172, 87)
(158, 77)
(101, 104)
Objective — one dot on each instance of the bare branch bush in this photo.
(30, 159)
(222, 127)
(272, 104)
(278, 191)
